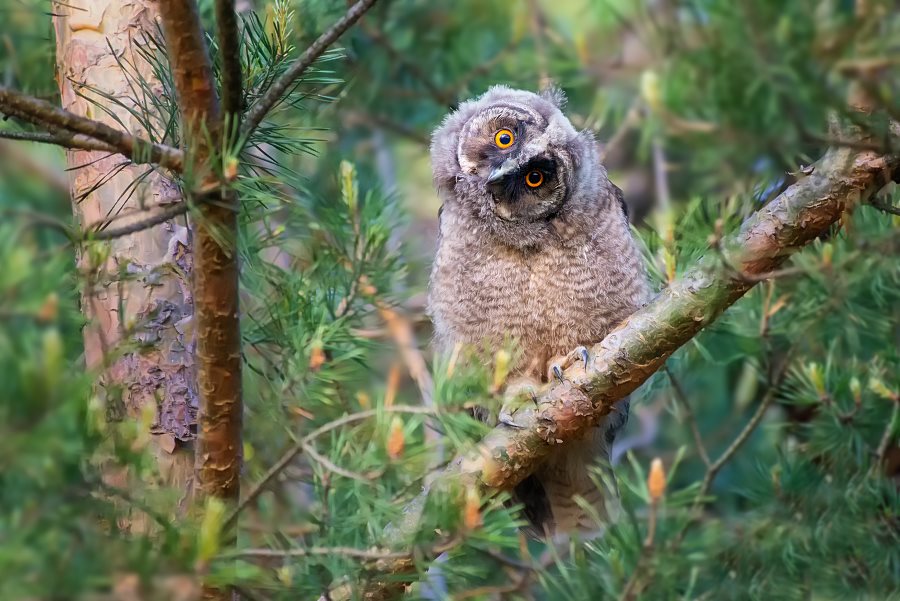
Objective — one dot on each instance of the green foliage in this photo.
(337, 226)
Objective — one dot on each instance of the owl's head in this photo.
(514, 161)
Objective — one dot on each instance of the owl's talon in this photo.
(507, 420)
(558, 372)
(585, 356)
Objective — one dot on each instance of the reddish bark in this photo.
(218, 357)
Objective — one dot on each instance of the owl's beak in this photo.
(496, 175)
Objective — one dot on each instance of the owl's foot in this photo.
(558, 365)
(519, 401)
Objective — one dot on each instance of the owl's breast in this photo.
(547, 301)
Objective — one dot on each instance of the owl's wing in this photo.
(620, 197)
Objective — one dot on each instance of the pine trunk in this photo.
(137, 298)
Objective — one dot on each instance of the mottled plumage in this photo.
(552, 266)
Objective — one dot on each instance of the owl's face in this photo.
(512, 159)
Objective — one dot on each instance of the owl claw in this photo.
(558, 373)
(507, 420)
(579, 354)
(585, 357)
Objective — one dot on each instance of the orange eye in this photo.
(504, 138)
(534, 179)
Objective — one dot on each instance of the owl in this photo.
(534, 247)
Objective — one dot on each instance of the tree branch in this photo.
(162, 216)
(218, 352)
(638, 347)
(884, 206)
(279, 88)
(73, 131)
(219, 446)
(307, 440)
(229, 51)
(77, 141)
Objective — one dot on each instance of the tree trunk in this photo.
(219, 452)
(137, 296)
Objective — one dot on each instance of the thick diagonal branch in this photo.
(75, 131)
(639, 346)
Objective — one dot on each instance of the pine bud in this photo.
(49, 309)
(365, 286)
(210, 532)
(231, 169)
(816, 377)
(656, 481)
(472, 509)
(316, 355)
(395, 441)
(349, 187)
(827, 254)
(877, 386)
(501, 369)
(650, 90)
(856, 390)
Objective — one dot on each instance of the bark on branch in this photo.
(74, 131)
(641, 345)
(218, 356)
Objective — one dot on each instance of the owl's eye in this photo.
(534, 179)
(504, 138)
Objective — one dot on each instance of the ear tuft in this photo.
(555, 95)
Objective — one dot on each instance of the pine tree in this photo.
(757, 145)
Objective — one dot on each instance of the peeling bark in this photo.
(137, 299)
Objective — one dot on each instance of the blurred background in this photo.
(706, 110)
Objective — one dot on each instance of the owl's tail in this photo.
(567, 494)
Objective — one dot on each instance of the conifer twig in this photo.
(888, 435)
(373, 554)
(331, 466)
(691, 417)
(280, 87)
(67, 125)
(298, 447)
(768, 398)
(165, 214)
(884, 206)
(77, 141)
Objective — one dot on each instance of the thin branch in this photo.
(888, 435)
(691, 417)
(884, 206)
(630, 591)
(279, 88)
(331, 466)
(162, 216)
(298, 447)
(766, 402)
(364, 554)
(440, 97)
(402, 332)
(16, 158)
(48, 116)
(78, 141)
(228, 37)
